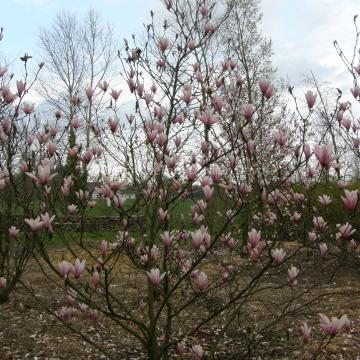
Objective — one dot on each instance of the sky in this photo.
(302, 31)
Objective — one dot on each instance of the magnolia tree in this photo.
(194, 273)
(17, 130)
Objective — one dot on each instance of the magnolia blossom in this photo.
(35, 224)
(208, 119)
(264, 85)
(13, 231)
(293, 272)
(44, 171)
(254, 238)
(310, 98)
(2, 283)
(312, 237)
(278, 256)
(324, 155)
(197, 238)
(89, 92)
(201, 280)
(305, 331)
(78, 268)
(47, 221)
(66, 313)
(28, 108)
(335, 325)
(115, 94)
(208, 192)
(319, 223)
(64, 268)
(95, 279)
(247, 111)
(20, 87)
(72, 209)
(198, 352)
(323, 250)
(324, 200)
(350, 199)
(166, 238)
(163, 44)
(155, 277)
(103, 248)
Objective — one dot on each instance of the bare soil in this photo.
(33, 333)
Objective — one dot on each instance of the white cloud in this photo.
(303, 32)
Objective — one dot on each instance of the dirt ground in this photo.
(33, 333)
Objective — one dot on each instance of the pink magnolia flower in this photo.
(103, 248)
(2, 283)
(312, 237)
(293, 272)
(163, 215)
(64, 268)
(87, 156)
(208, 192)
(51, 148)
(307, 151)
(278, 256)
(66, 313)
(247, 111)
(44, 171)
(305, 331)
(264, 85)
(208, 119)
(324, 155)
(353, 245)
(201, 279)
(34, 224)
(198, 352)
(191, 45)
(47, 221)
(13, 231)
(350, 199)
(89, 92)
(310, 98)
(95, 279)
(191, 173)
(113, 124)
(75, 122)
(324, 200)
(28, 108)
(115, 94)
(345, 230)
(104, 86)
(319, 223)
(215, 174)
(197, 238)
(20, 87)
(323, 250)
(163, 44)
(155, 277)
(254, 238)
(166, 238)
(78, 268)
(72, 209)
(335, 325)
(209, 28)
(203, 10)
